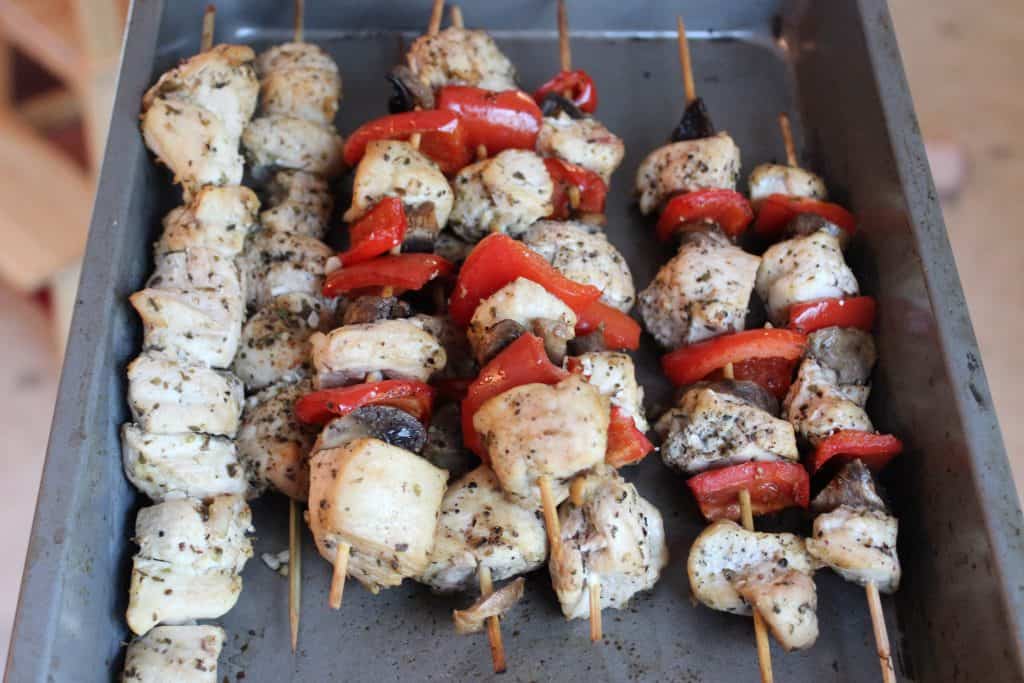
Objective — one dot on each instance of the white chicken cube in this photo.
(299, 80)
(183, 654)
(859, 544)
(276, 263)
(792, 181)
(298, 144)
(522, 301)
(614, 375)
(218, 218)
(584, 142)
(818, 406)
(397, 349)
(298, 202)
(457, 56)
(705, 163)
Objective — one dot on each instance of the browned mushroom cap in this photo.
(391, 425)
(854, 486)
(848, 351)
(748, 392)
(370, 309)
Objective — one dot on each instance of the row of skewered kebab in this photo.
(378, 375)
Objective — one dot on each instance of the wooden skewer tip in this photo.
(456, 14)
(564, 49)
(338, 577)
(787, 139)
(547, 500)
(493, 623)
(294, 570)
(881, 633)
(764, 653)
(595, 610)
(436, 14)
(684, 61)
(209, 23)
(300, 19)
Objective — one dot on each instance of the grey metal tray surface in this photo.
(835, 66)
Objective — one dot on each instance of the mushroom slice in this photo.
(473, 618)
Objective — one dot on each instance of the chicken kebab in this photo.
(185, 403)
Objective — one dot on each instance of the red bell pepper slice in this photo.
(498, 260)
(620, 331)
(875, 450)
(443, 137)
(320, 407)
(727, 208)
(401, 272)
(774, 374)
(593, 191)
(626, 443)
(773, 486)
(692, 363)
(856, 311)
(524, 361)
(777, 210)
(579, 85)
(497, 120)
(378, 232)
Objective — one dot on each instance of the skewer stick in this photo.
(457, 17)
(300, 19)
(547, 501)
(209, 19)
(684, 61)
(493, 623)
(787, 139)
(338, 577)
(576, 489)
(881, 634)
(595, 609)
(436, 13)
(729, 373)
(564, 51)
(764, 654)
(294, 570)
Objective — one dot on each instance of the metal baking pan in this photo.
(836, 67)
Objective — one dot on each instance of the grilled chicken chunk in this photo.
(183, 654)
(473, 618)
(584, 142)
(299, 80)
(193, 117)
(703, 292)
(615, 538)
(167, 466)
(614, 376)
(711, 428)
(457, 56)
(859, 544)
(276, 263)
(792, 181)
(705, 163)
(298, 202)
(524, 302)
(731, 569)
(192, 307)
(173, 397)
(397, 349)
(506, 193)
(393, 426)
(453, 339)
(583, 253)
(818, 404)
(479, 526)
(383, 501)
(272, 444)
(273, 142)
(275, 340)
(801, 269)
(189, 560)
(536, 430)
(217, 218)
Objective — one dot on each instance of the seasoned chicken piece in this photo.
(457, 56)
(272, 444)
(298, 202)
(383, 501)
(298, 144)
(275, 340)
(584, 142)
(523, 302)
(479, 526)
(392, 168)
(506, 193)
(615, 538)
(453, 339)
(536, 430)
(276, 263)
(173, 397)
(614, 376)
(192, 307)
(444, 442)
(193, 117)
(189, 560)
(704, 163)
(703, 292)
(397, 349)
(859, 544)
(792, 181)
(183, 654)
(853, 487)
(393, 426)
(473, 618)
(801, 269)
(712, 428)
(167, 466)
(818, 406)
(299, 80)
(583, 253)
(286, 57)
(217, 218)
(786, 600)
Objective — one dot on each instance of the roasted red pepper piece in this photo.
(727, 208)
(378, 232)
(498, 260)
(579, 85)
(774, 374)
(620, 331)
(401, 272)
(497, 120)
(443, 137)
(856, 311)
(626, 443)
(777, 210)
(593, 191)
(773, 486)
(524, 361)
(874, 450)
(320, 407)
(692, 363)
